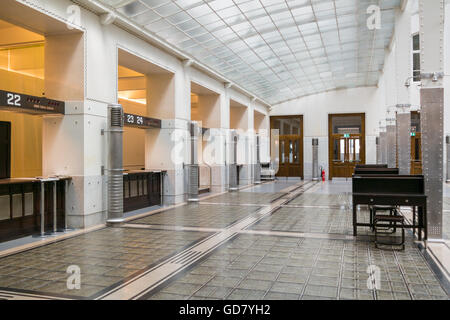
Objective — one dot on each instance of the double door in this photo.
(416, 154)
(291, 163)
(346, 155)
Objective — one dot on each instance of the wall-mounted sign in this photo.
(413, 134)
(137, 121)
(24, 103)
(347, 135)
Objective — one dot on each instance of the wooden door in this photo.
(290, 145)
(346, 150)
(5, 150)
(416, 153)
(290, 158)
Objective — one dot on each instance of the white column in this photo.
(73, 144)
(166, 149)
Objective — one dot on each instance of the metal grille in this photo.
(193, 175)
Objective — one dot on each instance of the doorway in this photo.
(291, 145)
(5, 150)
(346, 143)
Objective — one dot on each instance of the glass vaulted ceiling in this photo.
(275, 49)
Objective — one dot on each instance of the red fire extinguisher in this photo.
(323, 175)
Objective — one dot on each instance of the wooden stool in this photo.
(373, 212)
(397, 222)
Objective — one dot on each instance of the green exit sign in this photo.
(413, 134)
(347, 135)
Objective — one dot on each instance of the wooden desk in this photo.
(359, 166)
(376, 171)
(388, 190)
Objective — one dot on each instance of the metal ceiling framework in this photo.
(277, 50)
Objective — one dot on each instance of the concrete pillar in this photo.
(73, 144)
(166, 149)
(431, 14)
(211, 111)
(247, 146)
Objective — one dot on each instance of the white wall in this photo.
(315, 110)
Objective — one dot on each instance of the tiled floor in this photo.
(319, 199)
(312, 220)
(105, 257)
(245, 197)
(302, 249)
(267, 267)
(199, 215)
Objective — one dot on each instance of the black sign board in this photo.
(137, 121)
(30, 104)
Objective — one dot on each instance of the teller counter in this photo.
(142, 189)
(21, 206)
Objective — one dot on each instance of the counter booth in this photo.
(142, 188)
(29, 203)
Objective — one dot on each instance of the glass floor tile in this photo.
(320, 199)
(251, 267)
(313, 220)
(105, 258)
(245, 198)
(199, 215)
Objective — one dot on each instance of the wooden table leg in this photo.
(425, 222)
(421, 222)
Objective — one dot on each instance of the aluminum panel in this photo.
(432, 102)
(404, 142)
(383, 147)
(378, 150)
(391, 146)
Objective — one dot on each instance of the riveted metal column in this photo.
(404, 139)
(447, 140)
(378, 150)
(383, 147)
(431, 13)
(391, 140)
